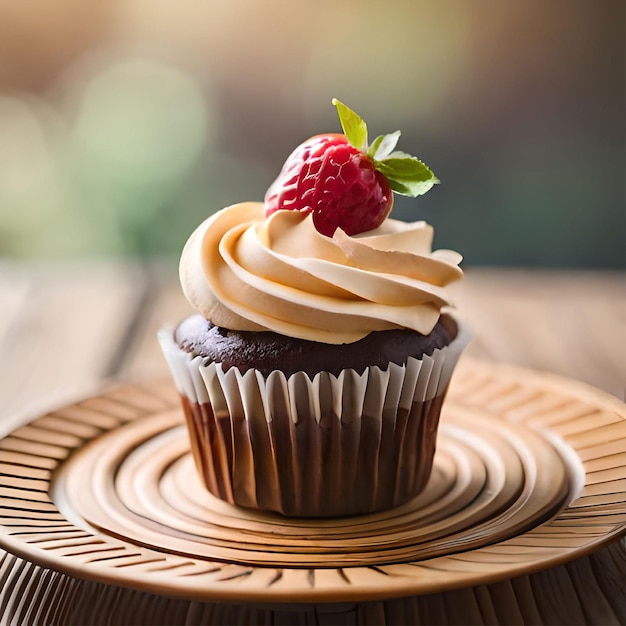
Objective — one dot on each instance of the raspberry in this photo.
(336, 182)
(344, 181)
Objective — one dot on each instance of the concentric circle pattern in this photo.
(529, 472)
(139, 483)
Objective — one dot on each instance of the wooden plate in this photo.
(530, 472)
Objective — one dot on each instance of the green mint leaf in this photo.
(402, 189)
(412, 190)
(406, 174)
(383, 145)
(398, 154)
(354, 128)
(371, 151)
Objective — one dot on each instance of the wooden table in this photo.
(65, 329)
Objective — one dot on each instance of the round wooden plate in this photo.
(530, 472)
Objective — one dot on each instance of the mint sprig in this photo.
(406, 174)
(354, 128)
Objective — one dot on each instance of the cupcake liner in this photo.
(326, 446)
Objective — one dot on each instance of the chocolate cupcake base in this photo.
(321, 446)
(312, 469)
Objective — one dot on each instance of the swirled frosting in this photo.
(245, 272)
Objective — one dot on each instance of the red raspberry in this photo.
(335, 181)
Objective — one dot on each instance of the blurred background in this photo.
(123, 124)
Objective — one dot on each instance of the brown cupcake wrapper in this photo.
(327, 446)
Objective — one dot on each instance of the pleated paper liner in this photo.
(321, 447)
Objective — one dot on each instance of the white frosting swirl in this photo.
(245, 272)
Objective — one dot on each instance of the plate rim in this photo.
(208, 587)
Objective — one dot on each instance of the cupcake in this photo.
(313, 374)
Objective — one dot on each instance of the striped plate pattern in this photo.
(530, 472)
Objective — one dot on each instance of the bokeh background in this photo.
(125, 123)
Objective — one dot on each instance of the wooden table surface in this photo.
(67, 327)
